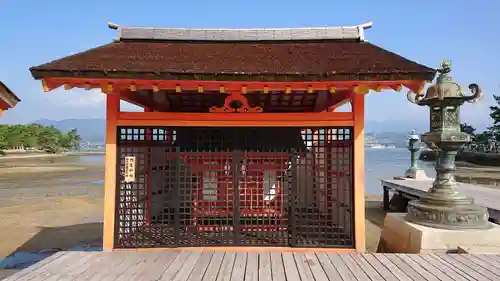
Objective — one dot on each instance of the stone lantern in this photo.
(413, 171)
(443, 206)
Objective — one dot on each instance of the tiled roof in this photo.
(266, 60)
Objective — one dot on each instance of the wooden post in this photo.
(358, 110)
(387, 206)
(112, 110)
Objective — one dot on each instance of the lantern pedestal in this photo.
(402, 236)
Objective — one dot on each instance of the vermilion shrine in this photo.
(240, 143)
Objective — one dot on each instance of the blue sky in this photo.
(35, 32)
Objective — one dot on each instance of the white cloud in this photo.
(75, 98)
(82, 98)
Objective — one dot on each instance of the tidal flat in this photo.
(49, 204)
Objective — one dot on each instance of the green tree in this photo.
(49, 139)
(3, 138)
(70, 140)
(483, 137)
(495, 115)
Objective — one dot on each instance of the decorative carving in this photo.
(435, 118)
(462, 219)
(236, 103)
(451, 118)
(477, 93)
(415, 97)
(424, 215)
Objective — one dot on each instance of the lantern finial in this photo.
(445, 66)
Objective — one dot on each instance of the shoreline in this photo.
(34, 155)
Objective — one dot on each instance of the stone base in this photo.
(491, 250)
(416, 175)
(459, 213)
(400, 236)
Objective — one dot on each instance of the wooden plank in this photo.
(400, 274)
(328, 267)
(201, 266)
(176, 265)
(72, 270)
(430, 262)
(131, 259)
(484, 264)
(143, 267)
(140, 259)
(240, 264)
(291, 271)
(341, 267)
(401, 265)
(423, 269)
(382, 270)
(277, 267)
(485, 271)
(97, 258)
(303, 267)
(106, 261)
(452, 263)
(494, 260)
(252, 271)
(214, 266)
(188, 266)
(53, 267)
(354, 267)
(366, 267)
(44, 270)
(111, 262)
(226, 267)
(265, 267)
(315, 267)
(34, 267)
(159, 266)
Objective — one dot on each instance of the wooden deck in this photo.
(413, 189)
(262, 266)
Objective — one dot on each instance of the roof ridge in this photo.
(242, 34)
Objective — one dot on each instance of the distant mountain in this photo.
(396, 126)
(93, 130)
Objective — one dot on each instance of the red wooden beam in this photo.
(219, 86)
(309, 119)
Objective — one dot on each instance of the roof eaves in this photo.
(8, 96)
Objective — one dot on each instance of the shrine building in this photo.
(240, 142)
